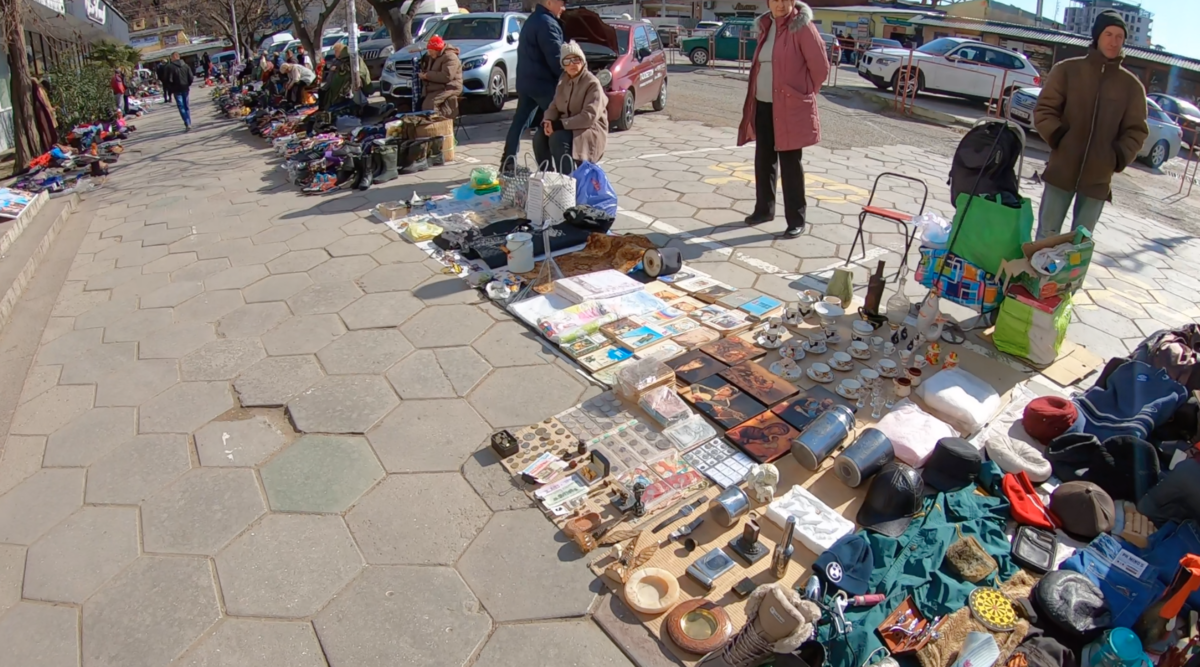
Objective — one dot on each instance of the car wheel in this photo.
(699, 57)
(497, 90)
(660, 102)
(915, 84)
(1158, 154)
(627, 109)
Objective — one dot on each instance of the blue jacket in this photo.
(538, 53)
(1137, 400)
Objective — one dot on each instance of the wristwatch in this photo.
(686, 510)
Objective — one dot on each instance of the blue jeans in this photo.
(1167, 546)
(527, 108)
(181, 102)
(1127, 596)
(1053, 211)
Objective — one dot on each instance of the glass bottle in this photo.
(898, 304)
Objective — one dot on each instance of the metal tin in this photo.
(729, 507)
(865, 457)
(823, 436)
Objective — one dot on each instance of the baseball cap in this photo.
(1084, 509)
(954, 464)
(892, 500)
(1176, 497)
(847, 564)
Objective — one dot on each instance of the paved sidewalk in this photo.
(255, 430)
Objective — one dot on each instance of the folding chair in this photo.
(898, 218)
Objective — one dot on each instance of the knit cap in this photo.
(1105, 19)
(571, 48)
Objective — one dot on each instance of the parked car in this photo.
(1161, 144)
(329, 39)
(727, 43)
(704, 28)
(628, 58)
(377, 46)
(487, 44)
(952, 66)
(884, 43)
(1183, 112)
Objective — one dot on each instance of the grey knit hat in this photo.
(1072, 602)
(571, 48)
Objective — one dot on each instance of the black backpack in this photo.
(988, 154)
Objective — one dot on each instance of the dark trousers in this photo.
(766, 173)
(529, 110)
(557, 148)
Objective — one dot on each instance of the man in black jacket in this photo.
(538, 51)
(160, 71)
(179, 83)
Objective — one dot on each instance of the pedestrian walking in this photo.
(160, 72)
(118, 89)
(576, 124)
(1092, 112)
(539, 51)
(780, 111)
(179, 82)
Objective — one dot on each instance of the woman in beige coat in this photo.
(576, 124)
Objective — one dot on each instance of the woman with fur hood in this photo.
(780, 112)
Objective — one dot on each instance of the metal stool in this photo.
(898, 218)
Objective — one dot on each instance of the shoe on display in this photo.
(758, 218)
(778, 620)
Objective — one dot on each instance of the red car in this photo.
(627, 57)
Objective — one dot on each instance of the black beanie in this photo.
(1105, 19)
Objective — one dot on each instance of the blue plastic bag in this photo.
(593, 189)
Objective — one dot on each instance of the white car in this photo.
(952, 66)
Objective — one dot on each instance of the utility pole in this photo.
(237, 51)
(352, 42)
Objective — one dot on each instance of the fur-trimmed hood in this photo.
(803, 17)
(798, 606)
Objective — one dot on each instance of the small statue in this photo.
(951, 361)
(762, 478)
(933, 354)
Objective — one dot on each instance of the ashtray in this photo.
(651, 590)
(698, 626)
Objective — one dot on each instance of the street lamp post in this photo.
(236, 48)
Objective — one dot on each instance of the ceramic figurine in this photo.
(933, 354)
(762, 481)
(951, 361)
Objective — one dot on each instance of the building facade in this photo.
(1081, 16)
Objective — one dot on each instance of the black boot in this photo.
(368, 170)
(436, 157)
(416, 157)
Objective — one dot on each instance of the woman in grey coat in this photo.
(575, 126)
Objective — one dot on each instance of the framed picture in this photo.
(694, 366)
(764, 437)
(638, 338)
(604, 357)
(801, 410)
(760, 383)
(615, 330)
(733, 351)
(724, 403)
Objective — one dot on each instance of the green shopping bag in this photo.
(990, 232)
(1029, 332)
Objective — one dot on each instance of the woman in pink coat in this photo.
(780, 112)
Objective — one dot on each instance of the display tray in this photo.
(673, 557)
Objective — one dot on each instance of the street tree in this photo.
(397, 17)
(309, 32)
(25, 141)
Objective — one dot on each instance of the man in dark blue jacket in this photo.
(538, 70)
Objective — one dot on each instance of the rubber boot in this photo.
(436, 157)
(387, 163)
(1156, 625)
(778, 620)
(417, 161)
(368, 170)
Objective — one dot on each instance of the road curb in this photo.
(888, 100)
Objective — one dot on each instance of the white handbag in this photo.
(549, 196)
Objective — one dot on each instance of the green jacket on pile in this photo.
(338, 85)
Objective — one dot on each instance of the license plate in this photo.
(1020, 114)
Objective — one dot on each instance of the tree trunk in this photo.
(310, 39)
(25, 139)
(398, 23)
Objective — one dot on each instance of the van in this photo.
(276, 39)
(224, 59)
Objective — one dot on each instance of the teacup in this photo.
(906, 356)
(860, 330)
(792, 349)
(833, 301)
(860, 350)
(770, 337)
(889, 348)
(821, 371)
(914, 376)
(868, 377)
(792, 315)
(887, 368)
(902, 387)
(842, 361)
(877, 343)
(788, 369)
(850, 388)
(805, 301)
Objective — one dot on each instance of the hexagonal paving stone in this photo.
(399, 252)
(200, 512)
(138, 324)
(384, 309)
(243, 642)
(244, 442)
(342, 404)
(320, 473)
(252, 319)
(173, 294)
(428, 436)
(43, 635)
(512, 344)
(106, 313)
(149, 613)
(277, 288)
(343, 268)
(1107, 321)
(524, 395)
(324, 298)
(176, 340)
(134, 471)
(288, 566)
(394, 526)
(137, 383)
(493, 483)
(303, 335)
(516, 554)
(22, 458)
(33, 506)
(301, 260)
(273, 381)
(370, 351)
(312, 239)
(420, 375)
(236, 277)
(1117, 303)
(90, 436)
(185, 407)
(209, 307)
(446, 326)
(78, 555)
(394, 278)
(52, 410)
(12, 574)
(425, 614)
(98, 362)
(580, 643)
(357, 245)
(463, 367)
(443, 290)
(222, 359)
(667, 210)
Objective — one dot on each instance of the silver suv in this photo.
(487, 45)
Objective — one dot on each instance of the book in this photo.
(737, 298)
(659, 317)
(696, 284)
(802, 409)
(762, 307)
(679, 326)
(639, 338)
(709, 312)
(729, 323)
(711, 294)
(687, 304)
(663, 291)
(598, 285)
(614, 330)
(661, 351)
(584, 345)
(697, 337)
(604, 358)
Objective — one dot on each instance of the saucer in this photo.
(793, 352)
(777, 369)
(761, 341)
(812, 376)
(807, 347)
(861, 356)
(885, 372)
(833, 339)
(835, 366)
(843, 394)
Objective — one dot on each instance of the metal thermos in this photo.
(864, 457)
(782, 556)
(823, 436)
(729, 507)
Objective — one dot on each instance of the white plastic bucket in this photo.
(519, 246)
